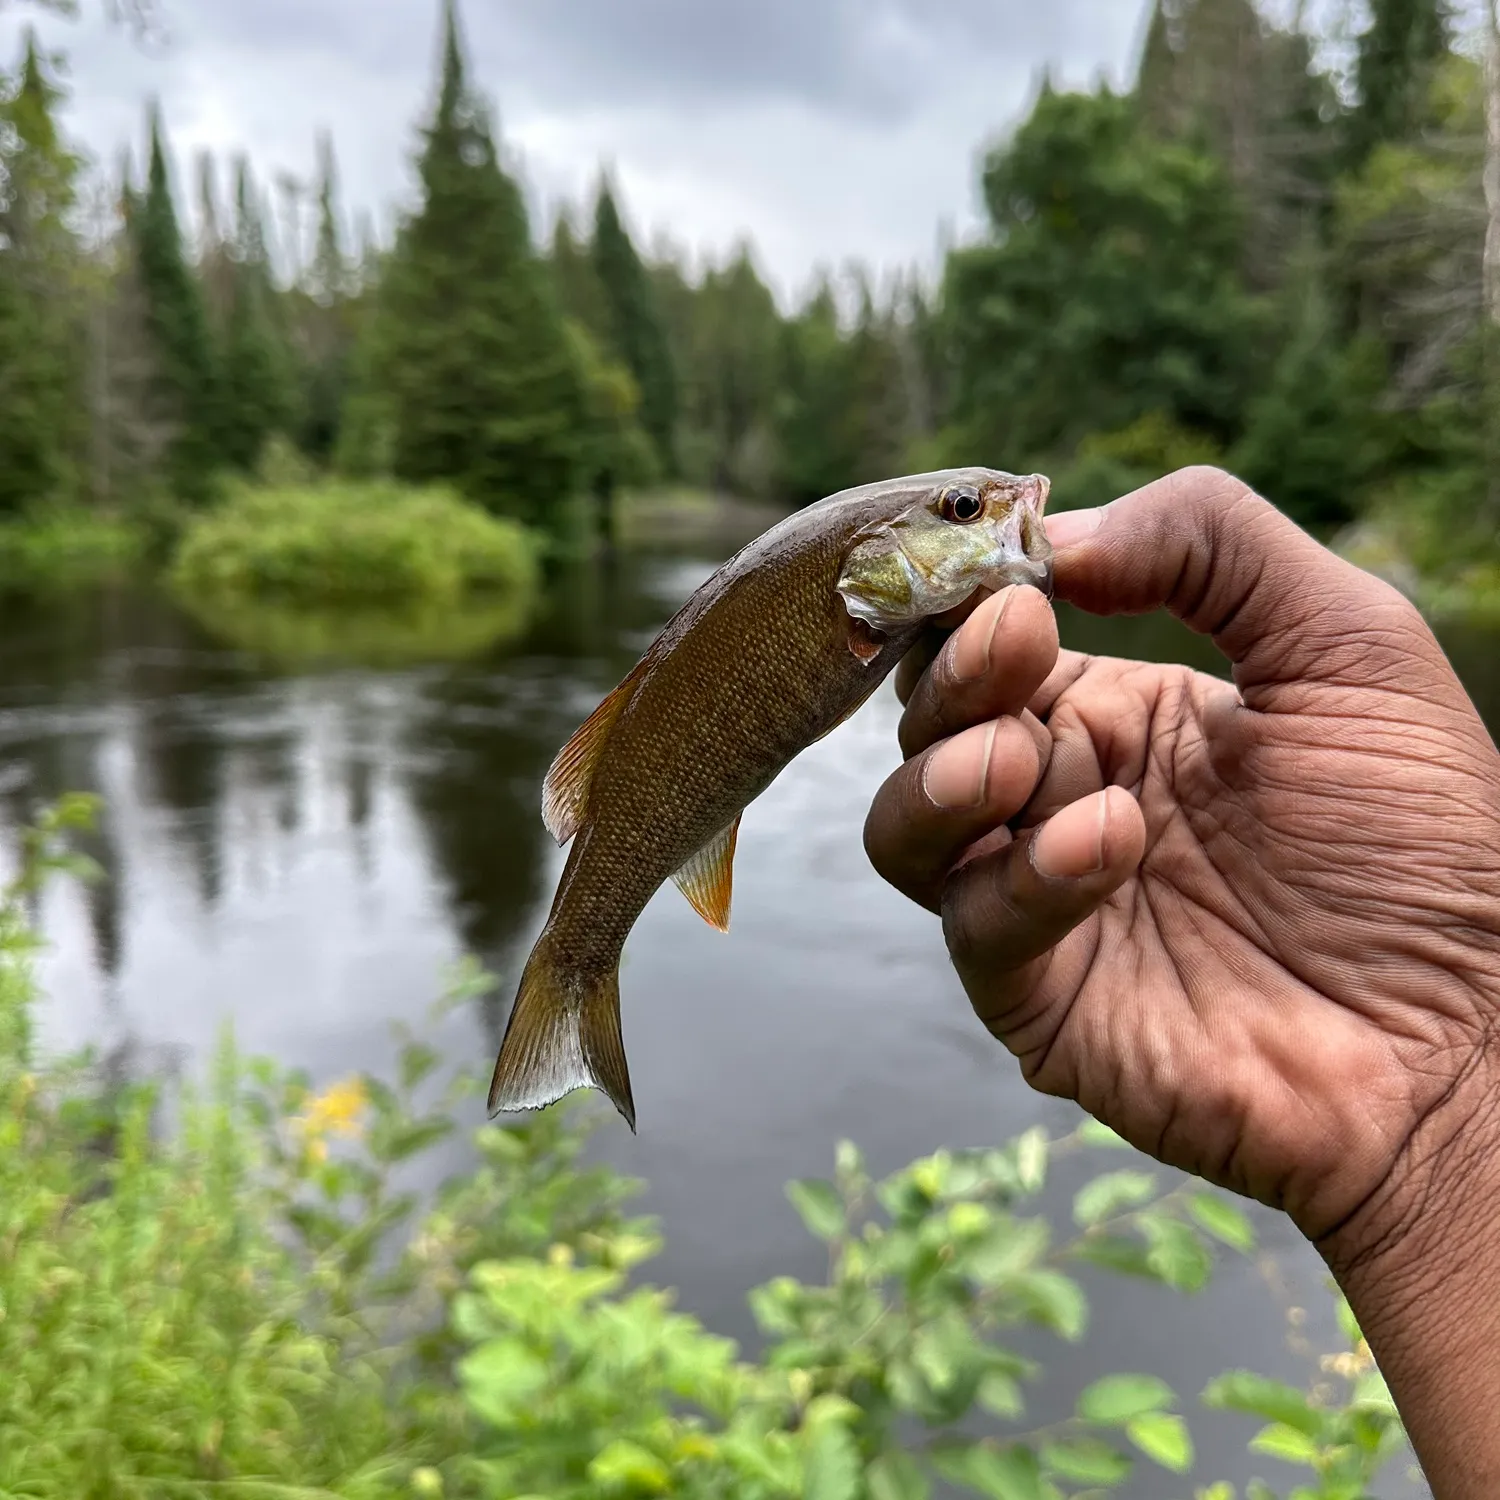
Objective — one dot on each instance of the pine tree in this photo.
(476, 375)
(635, 326)
(1393, 66)
(327, 318)
(577, 284)
(1313, 435)
(1215, 75)
(255, 359)
(186, 376)
(41, 340)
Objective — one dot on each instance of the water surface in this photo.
(305, 853)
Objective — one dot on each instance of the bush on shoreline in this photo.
(248, 1303)
(347, 542)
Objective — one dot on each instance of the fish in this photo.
(781, 645)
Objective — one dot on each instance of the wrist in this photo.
(1420, 1264)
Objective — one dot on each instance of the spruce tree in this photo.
(41, 346)
(255, 358)
(635, 325)
(185, 369)
(577, 285)
(477, 377)
(1393, 65)
(327, 319)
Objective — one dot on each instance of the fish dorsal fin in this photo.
(565, 792)
(707, 879)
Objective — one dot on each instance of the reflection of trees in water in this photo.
(218, 748)
(477, 787)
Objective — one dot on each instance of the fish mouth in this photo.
(1023, 555)
(1033, 571)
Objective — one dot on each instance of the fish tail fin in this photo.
(563, 1034)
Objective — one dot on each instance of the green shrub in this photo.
(349, 542)
(247, 1304)
(68, 544)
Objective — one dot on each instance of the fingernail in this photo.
(1072, 842)
(957, 773)
(971, 646)
(1070, 526)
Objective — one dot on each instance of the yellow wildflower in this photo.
(336, 1111)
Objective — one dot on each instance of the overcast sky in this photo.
(824, 129)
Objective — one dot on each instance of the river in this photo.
(305, 852)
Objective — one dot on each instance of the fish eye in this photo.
(963, 506)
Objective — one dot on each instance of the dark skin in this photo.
(1254, 928)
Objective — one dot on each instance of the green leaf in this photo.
(1087, 1460)
(1000, 1394)
(500, 1377)
(1010, 1247)
(1095, 1133)
(1114, 1252)
(943, 1350)
(417, 1061)
(1176, 1253)
(1117, 1398)
(832, 1465)
(1031, 1159)
(1223, 1220)
(1111, 1194)
(1286, 1443)
(820, 1206)
(1012, 1474)
(626, 1463)
(1053, 1300)
(1164, 1438)
(896, 1476)
(1242, 1390)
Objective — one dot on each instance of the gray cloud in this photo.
(825, 129)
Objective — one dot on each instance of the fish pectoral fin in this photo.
(565, 792)
(707, 879)
(865, 641)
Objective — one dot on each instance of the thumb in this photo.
(1006, 911)
(1277, 603)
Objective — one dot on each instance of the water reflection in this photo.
(305, 852)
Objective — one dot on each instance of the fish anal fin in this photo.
(707, 879)
(565, 792)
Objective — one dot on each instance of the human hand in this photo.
(1257, 932)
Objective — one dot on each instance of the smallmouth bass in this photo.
(783, 643)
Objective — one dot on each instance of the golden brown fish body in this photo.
(782, 644)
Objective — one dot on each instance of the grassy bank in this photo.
(244, 1303)
(62, 545)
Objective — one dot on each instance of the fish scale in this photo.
(772, 652)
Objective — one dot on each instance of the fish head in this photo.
(976, 529)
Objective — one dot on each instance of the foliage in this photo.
(634, 329)
(470, 362)
(249, 1301)
(257, 375)
(352, 542)
(185, 374)
(68, 544)
(40, 364)
(1110, 288)
(1395, 55)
